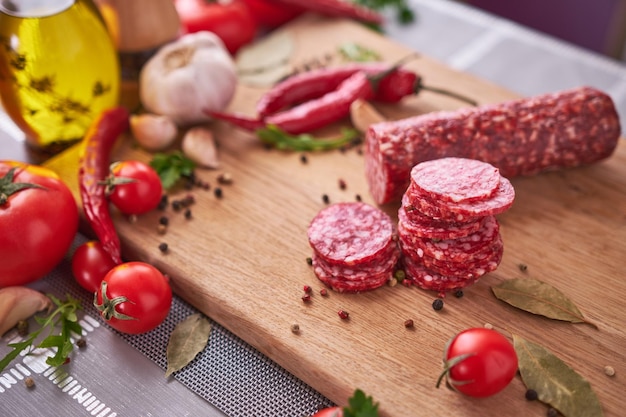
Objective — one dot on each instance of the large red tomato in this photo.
(230, 20)
(271, 14)
(38, 222)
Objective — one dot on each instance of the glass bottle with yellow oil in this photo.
(58, 69)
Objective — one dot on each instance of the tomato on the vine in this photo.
(90, 263)
(230, 20)
(136, 187)
(479, 362)
(38, 220)
(134, 297)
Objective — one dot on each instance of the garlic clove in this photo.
(199, 146)
(20, 303)
(153, 132)
(363, 114)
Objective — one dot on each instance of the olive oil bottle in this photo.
(58, 69)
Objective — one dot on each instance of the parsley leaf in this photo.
(360, 405)
(171, 167)
(65, 317)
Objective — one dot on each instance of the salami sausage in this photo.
(519, 137)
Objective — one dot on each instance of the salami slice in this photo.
(416, 224)
(453, 250)
(475, 267)
(350, 233)
(430, 280)
(499, 202)
(354, 247)
(519, 137)
(384, 263)
(348, 283)
(459, 180)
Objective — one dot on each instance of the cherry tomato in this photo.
(230, 20)
(38, 222)
(134, 297)
(139, 196)
(480, 362)
(90, 264)
(329, 412)
(271, 14)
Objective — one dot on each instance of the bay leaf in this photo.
(266, 60)
(554, 381)
(539, 298)
(189, 338)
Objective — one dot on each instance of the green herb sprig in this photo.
(62, 318)
(171, 167)
(360, 405)
(279, 139)
(404, 13)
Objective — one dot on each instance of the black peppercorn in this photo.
(531, 395)
(218, 192)
(458, 293)
(325, 199)
(163, 247)
(552, 412)
(438, 304)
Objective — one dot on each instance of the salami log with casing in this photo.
(519, 137)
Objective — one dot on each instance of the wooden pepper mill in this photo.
(138, 28)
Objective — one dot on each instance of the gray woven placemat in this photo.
(228, 373)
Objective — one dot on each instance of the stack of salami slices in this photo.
(447, 231)
(354, 245)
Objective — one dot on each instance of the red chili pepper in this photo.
(311, 84)
(337, 8)
(391, 88)
(238, 119)
(327, 109)
(94, 169)
(311, 115)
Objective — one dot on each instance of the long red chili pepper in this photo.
(94, 168)
(240, 120)
(337, 8)
(392, 87)
(312, 114)
(311, 84)
(327, 109)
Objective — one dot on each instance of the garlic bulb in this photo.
(188, 76)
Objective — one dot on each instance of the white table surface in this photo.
(124, 381)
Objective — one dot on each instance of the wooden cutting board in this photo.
(241, 259)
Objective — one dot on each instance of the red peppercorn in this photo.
(306, 298)
(307, 289)
(343, 314)
(323, 292)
